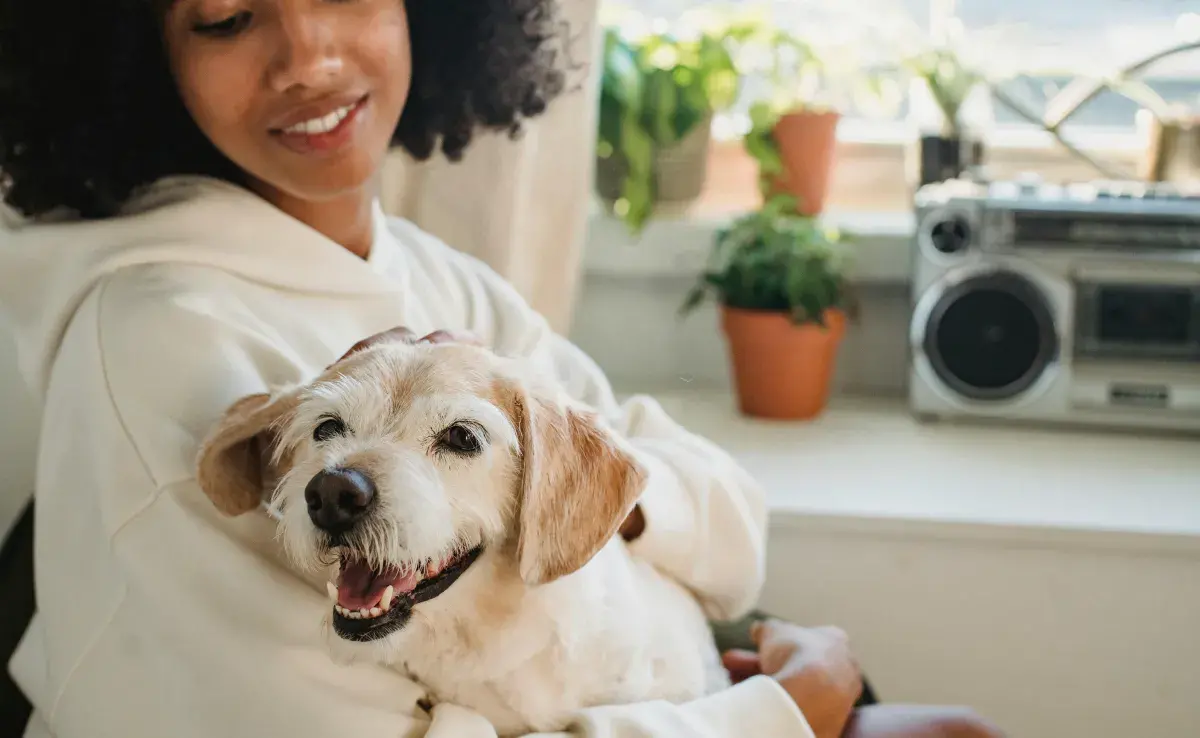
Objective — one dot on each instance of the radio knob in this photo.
(950, 236)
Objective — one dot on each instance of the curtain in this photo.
(519, 205)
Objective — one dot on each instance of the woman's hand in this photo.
(813, 665)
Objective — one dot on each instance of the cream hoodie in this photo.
(158, 616)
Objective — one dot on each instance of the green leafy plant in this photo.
(802, 76)
(759, 142)
(775, 260)
(656, 89)
(949, 80)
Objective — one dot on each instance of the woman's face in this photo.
(303, 95)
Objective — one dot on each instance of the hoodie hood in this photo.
(48, 268)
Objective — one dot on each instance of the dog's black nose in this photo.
(338, 498)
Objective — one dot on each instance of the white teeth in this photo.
(324, 124)
(364, 613)
(388, 594)
(376, 612)
(331, 588)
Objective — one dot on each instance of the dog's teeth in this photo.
(386, 601)
(364, 613)
(433, 569)
(332, 589)
(354, 615)
(376, 612)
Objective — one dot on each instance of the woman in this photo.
(206, 171)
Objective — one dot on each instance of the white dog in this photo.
(468, 519)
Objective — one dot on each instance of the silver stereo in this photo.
(1067, 304)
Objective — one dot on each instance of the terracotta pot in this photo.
(807, 141)
(782, 370)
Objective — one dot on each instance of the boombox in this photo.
(1073, 304)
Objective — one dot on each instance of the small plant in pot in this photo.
(793, 129)
(793, 134)
(780, 281)
(658, 94)
(949, 151)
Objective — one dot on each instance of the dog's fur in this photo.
(555, 615)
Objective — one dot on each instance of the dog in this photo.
(467, 513)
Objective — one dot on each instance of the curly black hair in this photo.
(89, 111)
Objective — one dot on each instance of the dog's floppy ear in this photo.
(577, 485)
(232, 464)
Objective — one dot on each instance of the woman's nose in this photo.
(307, 53)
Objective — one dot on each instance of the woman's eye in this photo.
(223, 28)
(329, 428)
(460, 439)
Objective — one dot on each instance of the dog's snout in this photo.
(338, 498)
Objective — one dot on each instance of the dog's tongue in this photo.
(361, 588)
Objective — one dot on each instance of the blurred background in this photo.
(980, 451)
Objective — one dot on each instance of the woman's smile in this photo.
(322, 128)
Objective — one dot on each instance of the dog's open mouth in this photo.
(371, 603)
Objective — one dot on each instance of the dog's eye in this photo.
(460, 439)
(329, 428)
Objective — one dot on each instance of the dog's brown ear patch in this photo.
(232, 464)
(577, 486)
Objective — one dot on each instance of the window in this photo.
(1037, 46)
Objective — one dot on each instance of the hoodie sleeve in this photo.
(705, 516)
(156, 614)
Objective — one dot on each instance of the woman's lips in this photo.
(326, 141)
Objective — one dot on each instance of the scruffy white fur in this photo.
(537, 627)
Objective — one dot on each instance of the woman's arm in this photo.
(705, 517)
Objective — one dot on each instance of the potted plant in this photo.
(793, 133)
(793, 129)
(780, 280)
(949, 151)
(658, 94)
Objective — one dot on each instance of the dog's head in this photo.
(402, 465)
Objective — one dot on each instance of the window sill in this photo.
(1069, 488)
(678, 245)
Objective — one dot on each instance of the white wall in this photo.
(1052, 639)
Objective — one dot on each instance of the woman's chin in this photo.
(320, 181)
